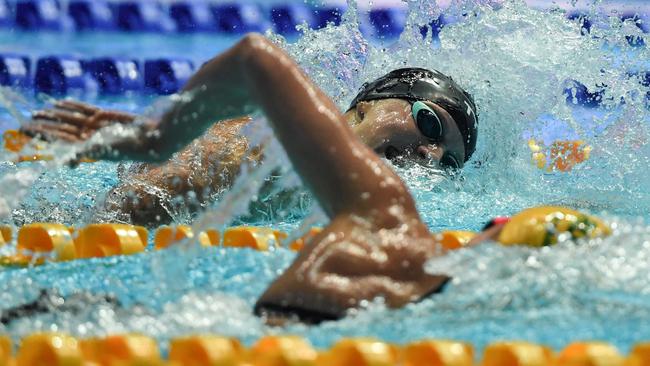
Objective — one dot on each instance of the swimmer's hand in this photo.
(72, 121)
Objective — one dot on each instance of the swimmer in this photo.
(376, 244)
(381, 116)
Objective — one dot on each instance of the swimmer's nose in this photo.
(430, 152)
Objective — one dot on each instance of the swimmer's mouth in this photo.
(394, 155)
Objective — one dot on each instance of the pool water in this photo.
(514, 60)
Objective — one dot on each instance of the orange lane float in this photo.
(45, 238)
(454, 239)
(5, 351)
(49, 349)
(126, 349)
(517, 354)
(103, 240)
(639, 356)
(438, 353)
(589, 354)
(206, 351)
(6, 234)
(562, 155)
(168, 235)
(361, 352)
(15, 140)
(259, 238)
(283, 351)
(297, 245)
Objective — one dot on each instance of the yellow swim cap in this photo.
(542, 226)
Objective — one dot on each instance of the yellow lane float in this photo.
(46, 238)
(517, 354)
(126, 349)
(206, 351)
(589, 354)
(545, 225)
(49, 349)
(259, 238)
(361, 352)
(103, 240)
(563, 155)
(168, 235)
(282, 351)
(438, 353)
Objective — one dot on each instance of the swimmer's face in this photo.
(387, 126)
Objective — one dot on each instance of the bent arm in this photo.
(344, 175)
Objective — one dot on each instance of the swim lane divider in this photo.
(536, 227)
(37, 242)
(57, 349)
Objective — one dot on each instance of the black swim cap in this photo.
(415, 84)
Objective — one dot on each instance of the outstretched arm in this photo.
(344, 175)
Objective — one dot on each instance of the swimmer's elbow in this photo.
(256, 52)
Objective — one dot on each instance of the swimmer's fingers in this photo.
(62, 117)
(104, 118)
(50, 131)
(74, 106)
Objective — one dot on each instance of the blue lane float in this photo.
(91, 15)
(58, 75)
(191, 16)
(15, 71)
(167, 76)
(387, 22)
(285, 18)
(39, 15)
(235, 18)
(116, 75)
(142, 16)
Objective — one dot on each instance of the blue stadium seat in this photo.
(387, 22)
(59, 75)
(583, 21)
(6, 18)
(436, 26)
(116, 75)
(15, 70)
(327, 14)
(167, 76)
(577, 93)
(285, 17)
(39, 14)
(142, 16)
(91, 15)
(192, 16)
(234, 18)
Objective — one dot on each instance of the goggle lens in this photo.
(427, 121)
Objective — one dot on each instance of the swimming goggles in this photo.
(430, 124)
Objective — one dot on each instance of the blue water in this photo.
(514, 61)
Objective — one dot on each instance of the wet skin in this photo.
(211, 162)
(376, 243)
